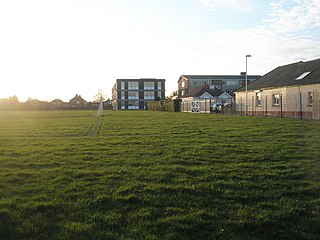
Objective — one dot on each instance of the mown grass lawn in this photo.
(157, 175)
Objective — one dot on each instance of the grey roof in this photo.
(219, 77)
(77, 98)
(140, 79)
(287, 76)
(200, 90)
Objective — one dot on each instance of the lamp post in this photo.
(247, 83)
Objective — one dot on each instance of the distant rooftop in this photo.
(219, 77)
(200, 90)
(299, 73)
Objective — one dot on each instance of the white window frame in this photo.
(258, 99)
(276, 99)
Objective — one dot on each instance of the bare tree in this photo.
(173, 94)
(100, 94)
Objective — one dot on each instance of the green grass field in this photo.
(157, 175)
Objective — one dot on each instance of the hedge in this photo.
(164, 105)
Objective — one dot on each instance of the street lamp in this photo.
(247, 83)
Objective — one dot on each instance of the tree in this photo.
(100, 94)
(12, 100)
(9, 103)
(173, 94)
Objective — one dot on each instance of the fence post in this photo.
(252, 106)
(231, 105)
(241, 106)
(300, 96)
(281, 110)
(266, 107)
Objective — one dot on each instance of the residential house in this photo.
(133, 94)
(202, 98)
(34, 104)
(226, 83)
(58, 104)
(78, 102)
(291, 90)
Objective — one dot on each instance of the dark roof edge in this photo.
(272, 87)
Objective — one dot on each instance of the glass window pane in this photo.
(258, 99)
(133, 95)
(149, 95)
(133, 85)
(148, 85)
(133, 105)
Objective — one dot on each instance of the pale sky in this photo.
(58, 48)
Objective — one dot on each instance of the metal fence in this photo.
(207, 106)
(295, 105)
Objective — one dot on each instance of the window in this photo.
(258, 99)
(122, 85)
(148, 85)
(183, 84)
(242, 83)
(133, 105)
(232, 82)
(123, 95)
(159, 95)
(159, 85)
(133, 85)
(303, 75)
(133, 95)
(276, 99)
(310, 99)
(149, 95)
(123, 105)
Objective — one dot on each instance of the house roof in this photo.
(202, 89)
(299, 73)
(141, 79)
(218, 77)
(57, 101)
(77, 98)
